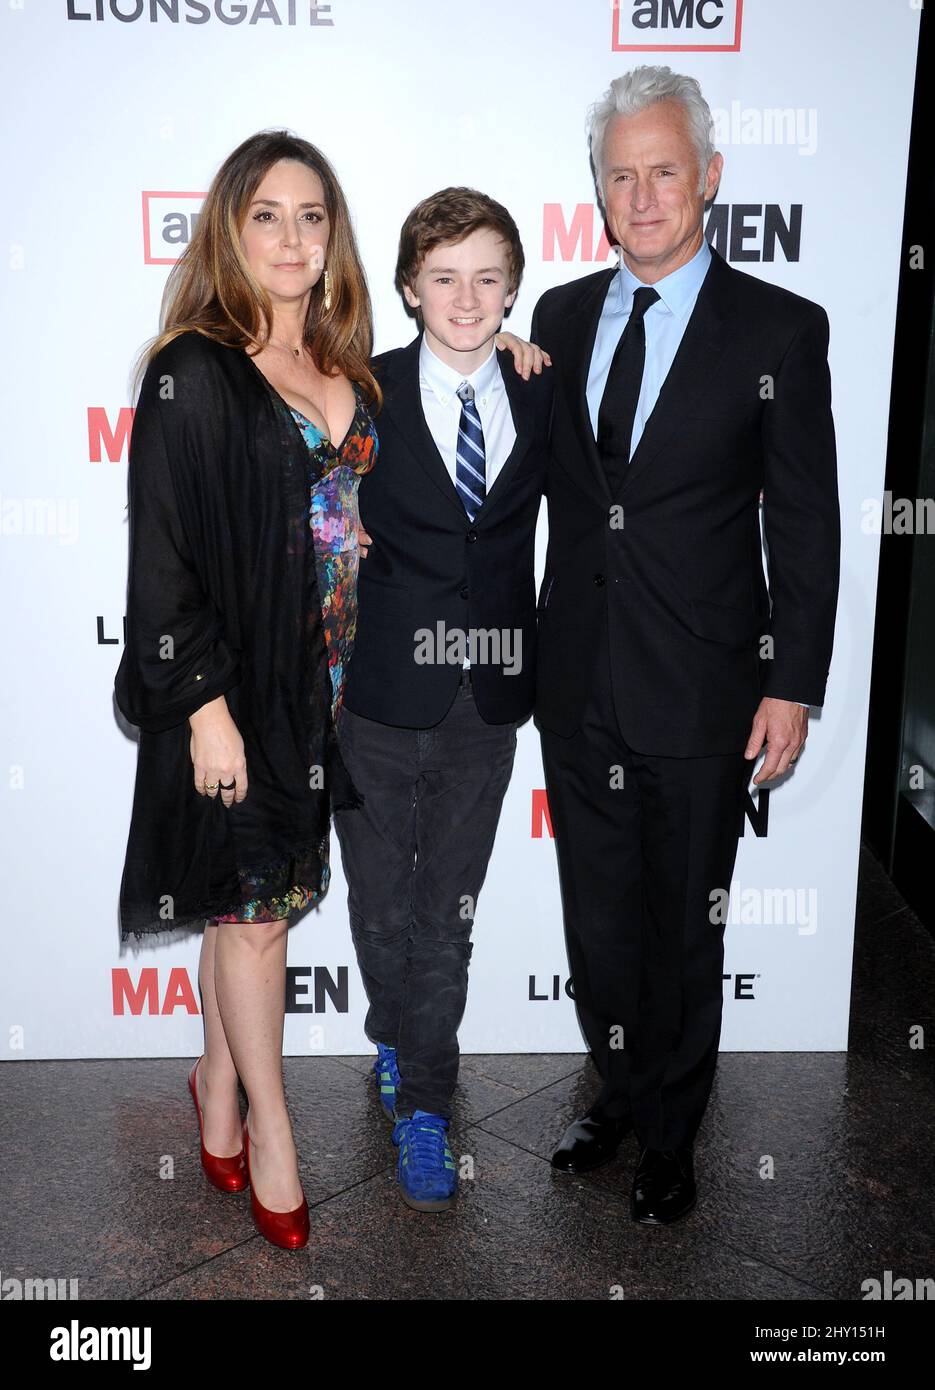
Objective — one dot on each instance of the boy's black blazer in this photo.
(430, 565)
(673, 563)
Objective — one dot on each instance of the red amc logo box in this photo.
(676, 26)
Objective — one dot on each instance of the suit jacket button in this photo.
(599, 580)
(464, 591)
(472, 536)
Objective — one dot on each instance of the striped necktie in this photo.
(471, 467)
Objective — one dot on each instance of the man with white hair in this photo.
(683, 389)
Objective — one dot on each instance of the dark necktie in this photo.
(471, 465)
(622, 392)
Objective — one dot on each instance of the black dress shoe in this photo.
(663, 1187)
(588, 1143)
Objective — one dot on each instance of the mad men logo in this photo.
(676, 26)
(309, 990)
(169, 220)
(541, 815)
(581, 236)
(756, 812)
(739, 232)
(109, 438)
(275, 13)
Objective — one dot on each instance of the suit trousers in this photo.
(415, 857)
(643, 840)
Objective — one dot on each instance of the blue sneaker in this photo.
(428, 1179)
(386, 1073)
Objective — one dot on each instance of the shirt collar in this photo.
(677, 291)
(445, 380)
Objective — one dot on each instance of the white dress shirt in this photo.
(441, 406)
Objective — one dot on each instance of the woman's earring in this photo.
(327, 291)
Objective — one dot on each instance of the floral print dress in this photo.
(334, 519)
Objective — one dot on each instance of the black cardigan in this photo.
(222, 598)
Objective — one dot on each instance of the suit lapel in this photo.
(695, 363)
(402, 402)
(521, 411)
(582, 333)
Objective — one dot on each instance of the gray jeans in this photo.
(415, 857)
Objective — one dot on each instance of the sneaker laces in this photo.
(425, 1140)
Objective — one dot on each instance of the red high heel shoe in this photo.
(227, 1174)
(287, 1229)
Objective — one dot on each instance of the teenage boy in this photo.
(443, 668)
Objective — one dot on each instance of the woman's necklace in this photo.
(323, 386)
(296, 351)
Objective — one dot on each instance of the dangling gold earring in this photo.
(327, 291)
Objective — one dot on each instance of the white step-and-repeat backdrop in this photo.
(116, 115)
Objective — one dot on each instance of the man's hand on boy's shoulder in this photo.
(527, 357)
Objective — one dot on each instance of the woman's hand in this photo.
(364, 542)
(526, 356)
(217, 752)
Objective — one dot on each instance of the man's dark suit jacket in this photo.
(430, 564)
(676, 570)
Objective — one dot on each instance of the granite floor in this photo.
(851, 1134)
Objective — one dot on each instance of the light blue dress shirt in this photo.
(664, 322)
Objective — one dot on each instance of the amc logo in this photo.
(676, 26)
(169, 219)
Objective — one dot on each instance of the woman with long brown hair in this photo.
(252, 426)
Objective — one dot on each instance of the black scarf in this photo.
(222, 598)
